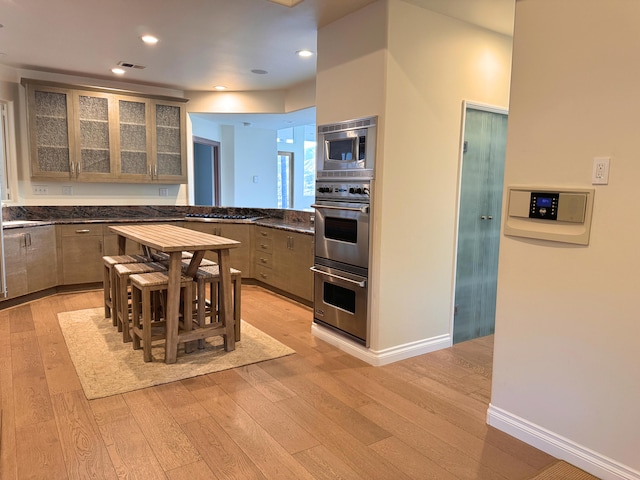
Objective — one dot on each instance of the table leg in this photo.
(173, 307)
(122, 244)
(226, 305)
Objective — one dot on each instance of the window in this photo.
(285, 180)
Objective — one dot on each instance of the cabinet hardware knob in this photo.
(483, 217)
(490, 217)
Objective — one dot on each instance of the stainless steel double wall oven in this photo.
(342, 226)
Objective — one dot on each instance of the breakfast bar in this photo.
(174, 240)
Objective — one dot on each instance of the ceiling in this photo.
(202, 43)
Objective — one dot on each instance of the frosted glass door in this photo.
(49, 128)
(95, 147)
(479, 224)
(168, 141)
(134, 151)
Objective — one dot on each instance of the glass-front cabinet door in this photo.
(170, 144)
(94, 136)
(50, 111)
(134, 119)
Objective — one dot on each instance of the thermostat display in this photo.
(544, 205)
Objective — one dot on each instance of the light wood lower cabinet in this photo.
(283, 260)
(240, 258)
(30, 259)
(80, 249)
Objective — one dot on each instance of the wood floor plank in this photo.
(31, 392)
(324, 465)
(410, 461)
(264, 383)
(286, 432)
(223, 456)
(38, 452)
(84, 452)
(167, 440)
(21, 319)
(180, 402)
(267, 454)
(129, 451)
(8, 461)
(321, 400)
(421, 415)
(456, 453)
(361, 459)
(193, 471)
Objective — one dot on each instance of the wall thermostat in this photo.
(546, 213)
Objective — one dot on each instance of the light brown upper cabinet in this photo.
(99, 135)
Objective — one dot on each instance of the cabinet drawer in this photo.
(264, 274)
(262, 232)
(263, 259)
(80, 230)
(264, 244)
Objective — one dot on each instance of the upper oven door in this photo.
(342, 232)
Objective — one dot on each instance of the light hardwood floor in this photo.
(317, 414)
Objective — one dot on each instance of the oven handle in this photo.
(364, 209)
(361, 284)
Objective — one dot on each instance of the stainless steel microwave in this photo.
(347, 149)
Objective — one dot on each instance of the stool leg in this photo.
(237, 290)
(106, 285)
(135, 317)
(187, 315)
(146, 324)
(123, 309)
(114, 295)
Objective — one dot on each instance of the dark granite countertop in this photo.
(279, 223)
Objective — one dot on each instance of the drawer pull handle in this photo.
(264, 234)
(263, 275)
(262, 245)
(83, 231)
(263, 260)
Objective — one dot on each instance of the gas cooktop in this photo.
(218, 217)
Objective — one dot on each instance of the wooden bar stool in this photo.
(143, 329)
(121, 292)
(207, 281)
(108, 279)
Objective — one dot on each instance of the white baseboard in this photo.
(381, 357)
(560, 447)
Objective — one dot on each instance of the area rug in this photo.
(563, 471)
(107, 366)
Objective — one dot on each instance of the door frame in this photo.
(215, 149)
(485, 108)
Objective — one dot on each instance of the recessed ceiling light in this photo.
(149, 39)
(287, 3)
(304, 53)
(259, 71)
(220, 87)
(118, 71)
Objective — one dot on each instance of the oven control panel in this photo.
(351, 192)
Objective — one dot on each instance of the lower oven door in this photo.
(342, 232)
(340, 301)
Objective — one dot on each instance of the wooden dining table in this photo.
(174, 240)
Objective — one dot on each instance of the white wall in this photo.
(419, 67)
(566, 360)
(255, 156)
